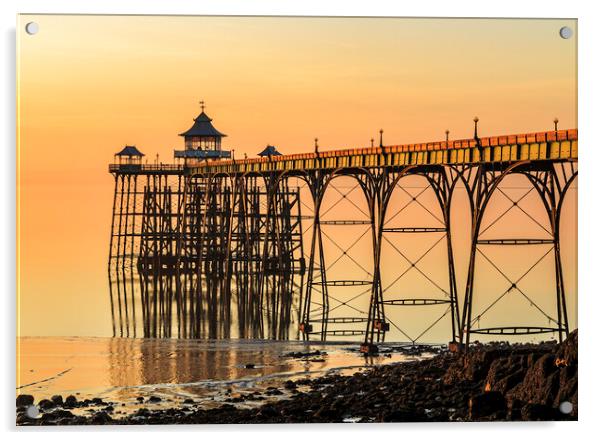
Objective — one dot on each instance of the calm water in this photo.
(209, 372)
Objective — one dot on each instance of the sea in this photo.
(127, 372)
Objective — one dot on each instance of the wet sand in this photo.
(493, 382)
(157, 374)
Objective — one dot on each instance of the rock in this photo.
(48, 417)
(97, 401)
(250, 366)
(541, 382)
(46, 404)
(536, 411)
(474, 366)
(495, 381)
(507, 372)
(290, 385)
(486, 404)
(70, 401)
(142, 412)
(101, 418)
(567, 351)
(140, 399)
(274, 392)
(22, 419)
(515, 409)
(154, 399)
(268, 411)
(63, 414)
(300, 354)
(24, 400)
(57, 399)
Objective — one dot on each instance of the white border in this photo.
(590, 213)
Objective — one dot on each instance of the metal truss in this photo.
(550, 181)
(200, 254)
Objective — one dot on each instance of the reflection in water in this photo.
(122, 369)
(204, 259)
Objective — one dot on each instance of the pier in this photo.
(213, 246)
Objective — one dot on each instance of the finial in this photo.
(245, 156)
(555, 124)
(202, 103)
(446, 135)
(316, 145)
(381, 137)
(476, 122)
(232, 153)
(372, 142)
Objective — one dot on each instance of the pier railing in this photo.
(551, 145)
(145, 168)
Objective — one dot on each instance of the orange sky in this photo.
(87, 85)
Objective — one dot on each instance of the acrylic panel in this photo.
(231, 219)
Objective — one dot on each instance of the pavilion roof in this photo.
(203, 127)
(269, 150)
(130, 150)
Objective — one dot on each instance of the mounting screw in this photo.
(32, 28)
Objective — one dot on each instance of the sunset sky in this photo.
(87, 85)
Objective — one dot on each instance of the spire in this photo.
(203, 126)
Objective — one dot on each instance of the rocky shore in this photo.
(493, 382)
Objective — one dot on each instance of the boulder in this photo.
(536, 411)
(486, 404)
(70, 401)
(46, 404)
(290, 385)
(22, 419)
(101, 418)
(24, 400)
